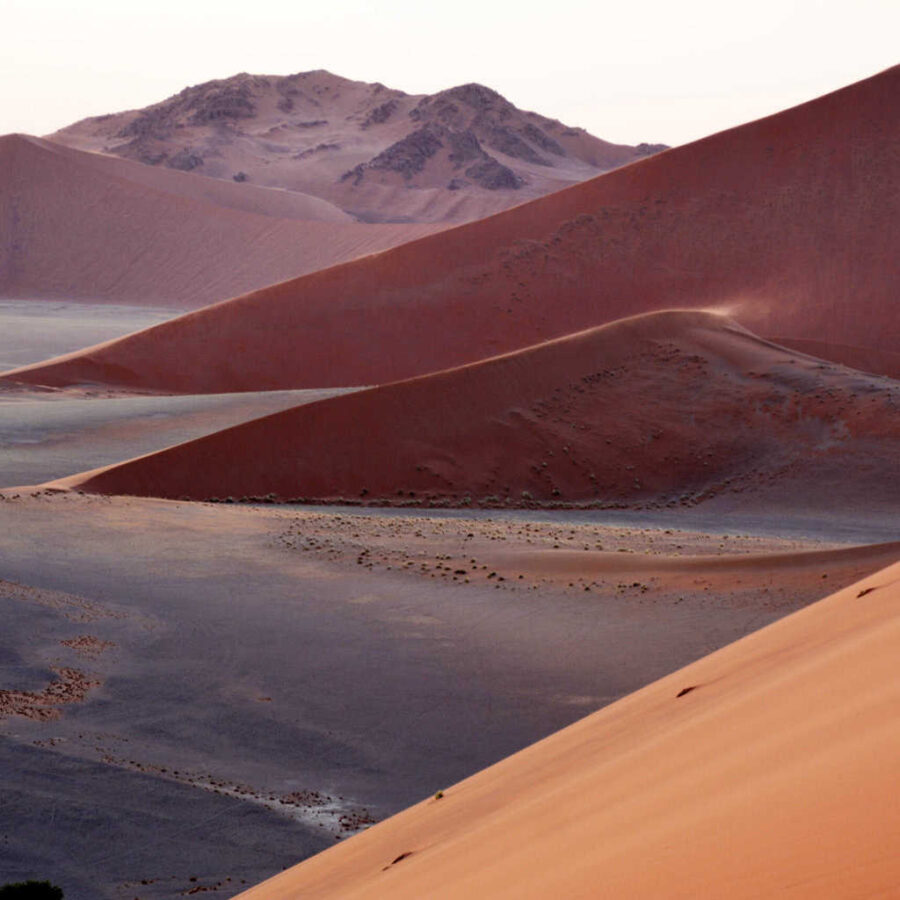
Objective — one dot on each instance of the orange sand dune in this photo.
(788, 222)
(671, 407)
(83, 226)
(767, 769)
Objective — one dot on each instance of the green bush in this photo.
(30, 890)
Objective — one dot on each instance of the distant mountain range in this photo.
(379, 154)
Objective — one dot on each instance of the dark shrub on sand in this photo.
(30, 890)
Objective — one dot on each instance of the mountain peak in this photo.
(458, 154)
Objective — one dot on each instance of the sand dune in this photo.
(763, 770)
(787, 222)
(43, 436)
(666, 408)
(79, 225)
(385, 155)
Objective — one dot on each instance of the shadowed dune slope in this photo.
(772, 777)
(81, 226)
(671, 407)
(788, 222)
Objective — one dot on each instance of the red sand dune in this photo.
(788, 222)
(767, 769)
(671, 407)
(81, 226)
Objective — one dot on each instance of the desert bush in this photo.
(30, 890)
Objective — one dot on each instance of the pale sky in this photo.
(628, 71)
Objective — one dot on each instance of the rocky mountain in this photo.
(377, 153)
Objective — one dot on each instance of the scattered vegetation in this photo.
(30, 890)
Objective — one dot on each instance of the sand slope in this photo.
(671, 407)
(385, 155)
(76, 225)
(772, 777)
(787, 221)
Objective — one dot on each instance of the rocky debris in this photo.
(491, 119)
(543, 140)
(71, 686)
(408, 156)
(288, 92)
(380, 114)
(202, 104)
(650, 149)
(138, 150)
(319, 148)
(185, 161)
(461, 106)
(506, 141)
(231, 102)
(150, 123)
(88, 645)
(478, 97)
(457, 184)
(493, 175)
(464, 147)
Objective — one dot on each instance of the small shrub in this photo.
(30, 890)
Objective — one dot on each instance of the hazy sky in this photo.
(627, 71)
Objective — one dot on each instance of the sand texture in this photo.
(786, 222)
(599, 417)
(81, 226)
(763, 770)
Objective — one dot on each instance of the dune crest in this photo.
(670, 408)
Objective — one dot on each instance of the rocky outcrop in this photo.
(380, 114)
(494, 176)
(215, 101)
(410, 156)
(407, 156)
(506, 141)
(185, 161)
(310, 128)
(650, 149)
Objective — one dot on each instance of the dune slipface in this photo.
(81, 226)
(788, 222)
(766, 769)
(672, 407)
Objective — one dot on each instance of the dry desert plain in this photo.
(524, 524)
